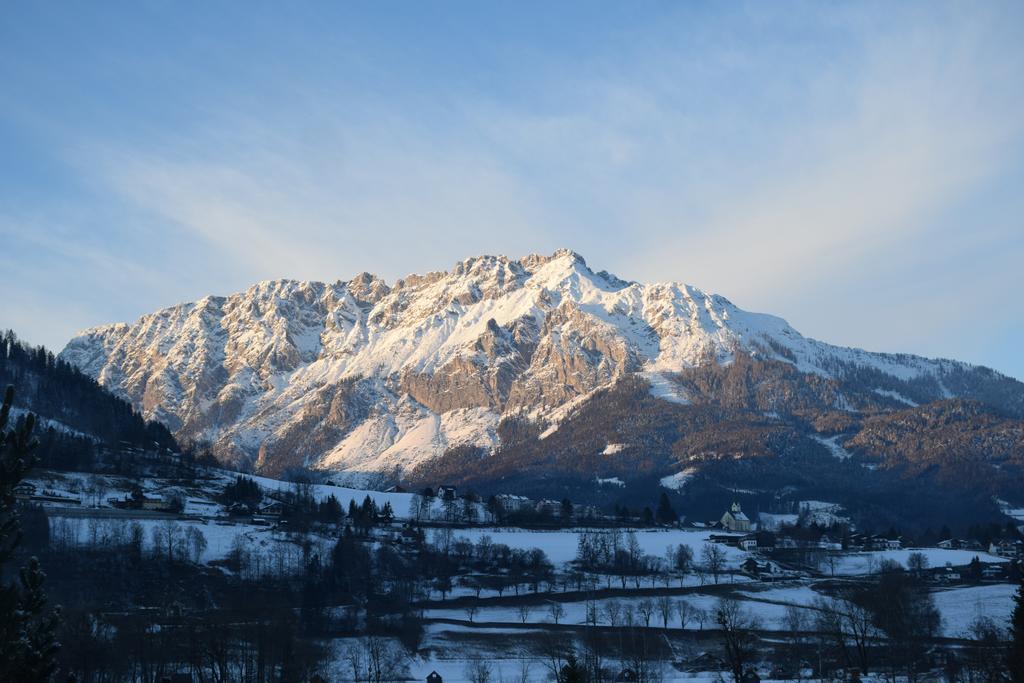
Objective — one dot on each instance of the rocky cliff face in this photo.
(367, 378)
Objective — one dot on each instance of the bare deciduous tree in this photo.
(666, 609)
(737, 630)
(612, 611)
(196, 543)
(646, 609)
(593, 609)
(479, 671)
(375, 660)
(713, 558)
(685, 611)
(556, 611)
(917, 563)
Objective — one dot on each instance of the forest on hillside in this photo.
(77, 416)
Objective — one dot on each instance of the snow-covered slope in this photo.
(360, 376)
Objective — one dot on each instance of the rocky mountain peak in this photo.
(368, 378)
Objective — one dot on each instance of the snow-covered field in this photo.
(450, 657)
(960, 606)
(791, 595)
(93, 490)
(271, 551)
(677, 481)
(400, 502)
(771, 615)
(1016, 512)
(560, 546)
(853, 564)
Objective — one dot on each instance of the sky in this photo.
(856, 168)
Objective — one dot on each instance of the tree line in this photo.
(90, 417)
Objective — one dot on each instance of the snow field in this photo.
(960, 606)
(274, 550)
(560, 546)
(856, 564)
(771, 615)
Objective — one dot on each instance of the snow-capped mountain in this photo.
(366, 377)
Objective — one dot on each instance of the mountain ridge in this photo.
(368, 378)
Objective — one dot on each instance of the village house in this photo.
(730, 540)
(786, 543)
(857, 542)
(992, 572)
(883, 543)
(1011, 549)
(829, 543)
(947, 574)
(157, 504)
(269, 513)
(511, 503)
(237, 509)
(756, 569)
(587, 512)
(549, 507)
(735, 520)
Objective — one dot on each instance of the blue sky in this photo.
(855, 168)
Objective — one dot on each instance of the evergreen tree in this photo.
(330, 510)
(666, 513)
(53, 388)
(28, 641)
(1015, 661)
(573, 671)
(567, 511)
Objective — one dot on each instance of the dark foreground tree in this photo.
(666, 514)
(902, 606)
(28, 643)
(1016, 658)
(739, 639)
(573, 671)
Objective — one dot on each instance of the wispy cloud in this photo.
(362, 196)
(930, 118)
(790, 159)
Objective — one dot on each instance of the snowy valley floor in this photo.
(511, 631)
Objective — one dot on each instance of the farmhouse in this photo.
(1011, 549)
(158, 504)
(513, 503)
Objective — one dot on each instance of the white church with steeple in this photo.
(735, 520)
